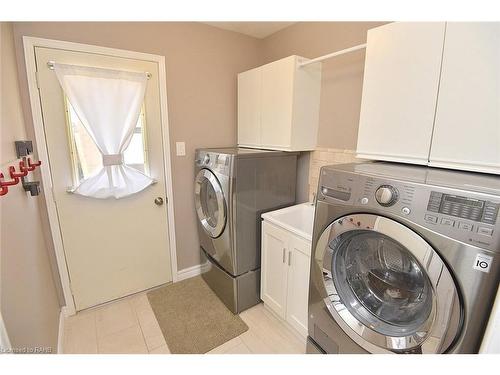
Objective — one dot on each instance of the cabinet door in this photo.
(249, 106)
(400, 87)
(299, 259)
(277, 103)
(274, 268)
(467, 128)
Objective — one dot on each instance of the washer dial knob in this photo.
(386, 195)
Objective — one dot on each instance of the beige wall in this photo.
(342, 77)
(28, 295)
(202, 63)
(342, 82)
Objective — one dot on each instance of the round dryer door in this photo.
(387, 288)
(210, 203)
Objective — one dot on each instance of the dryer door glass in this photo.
(210, 204)
(386, 287)
(382, 281)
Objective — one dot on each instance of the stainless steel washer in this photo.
(233, 187)
(405, 259)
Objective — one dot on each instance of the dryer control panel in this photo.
(467, 216)
(463, 207)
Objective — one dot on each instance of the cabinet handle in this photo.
(284, 252)
(289, 258)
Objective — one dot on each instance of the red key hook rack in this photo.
(37, 164)
(4, 185)
(12, 182)
(14, 174)
(23, 149)
(25, 168)
(3, 189)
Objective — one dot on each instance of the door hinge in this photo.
(37, 79)
(53, 195)
(72, 292)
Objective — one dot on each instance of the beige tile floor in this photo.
(129, 326)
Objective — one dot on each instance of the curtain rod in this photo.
(50, 65)
(333, 54)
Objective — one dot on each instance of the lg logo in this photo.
(483, 262)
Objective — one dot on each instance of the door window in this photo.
(86, 158)
(381, 282)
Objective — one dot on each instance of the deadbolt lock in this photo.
(158, 201)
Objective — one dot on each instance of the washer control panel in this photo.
(214, 161)
(469, 217)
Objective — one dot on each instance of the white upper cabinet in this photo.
(249, 107)
(467, 126)
(431, 95)
(278, 105)
(277, 102)
(400, 89)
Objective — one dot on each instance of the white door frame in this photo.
(29, 56)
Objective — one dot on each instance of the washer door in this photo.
(210, 203)
(387, 287)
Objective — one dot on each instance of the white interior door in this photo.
(113, 247)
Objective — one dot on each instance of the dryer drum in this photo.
(383, 277)
(386, 287)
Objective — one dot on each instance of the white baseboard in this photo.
(60, 336)
(189, 272)
(4, 337)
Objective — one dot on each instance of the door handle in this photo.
(284, 254)
(289, 258)
(158, 201)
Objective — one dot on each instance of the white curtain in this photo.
(108, 103)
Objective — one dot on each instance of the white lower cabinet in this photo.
(299, 258)
(285, 275)
(274, 269)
